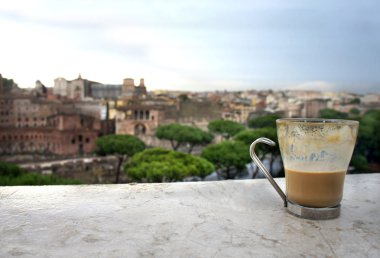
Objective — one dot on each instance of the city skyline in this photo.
(203, 46)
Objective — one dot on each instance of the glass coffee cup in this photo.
(316, 154)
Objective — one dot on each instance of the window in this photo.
(87, 140)
(136, 115)
(73, 141)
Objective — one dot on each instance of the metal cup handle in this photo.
(262, 167)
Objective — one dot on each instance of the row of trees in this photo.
(228, 158)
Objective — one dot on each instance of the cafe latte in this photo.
(314, 189)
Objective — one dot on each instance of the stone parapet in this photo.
(204, 219)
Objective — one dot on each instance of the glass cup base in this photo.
(313, 213)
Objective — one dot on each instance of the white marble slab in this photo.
(202, 219)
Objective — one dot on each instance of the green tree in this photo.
(161, 165)
(122, 146)
(198, 137)
(226, 128)
(355, 101)
(354, 111)
(229, 157)
(262, 150)
(264, 121)
(368, 142)
(183, 97)
(182, 134)
(11, 174)
(359, 162)
(8, 83)
(329, 113)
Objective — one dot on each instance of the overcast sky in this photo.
(194, 45)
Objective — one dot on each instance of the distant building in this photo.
(142, 117)
(106, 91)
(82, 89)
(293, 108)
(138, 119)
(74, 134)
(312, 107)
(77, 89)
(64, 134)
(371, 100)
(30, 123)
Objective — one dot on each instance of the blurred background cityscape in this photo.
(167, 92)
(93, 132)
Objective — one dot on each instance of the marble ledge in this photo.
(243, 218)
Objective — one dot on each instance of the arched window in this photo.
(140, 129)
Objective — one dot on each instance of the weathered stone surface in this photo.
(203, 219)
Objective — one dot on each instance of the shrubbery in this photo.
(161, 165)
(11, 174)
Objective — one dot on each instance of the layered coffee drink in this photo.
(315, 189)
(316, 153)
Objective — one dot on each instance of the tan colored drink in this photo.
(315, 189)
(316, 153)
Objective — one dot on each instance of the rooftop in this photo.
(244, 218)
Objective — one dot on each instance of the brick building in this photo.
(142, 117)
(30, 123)
(138, 119)
(64, 134)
